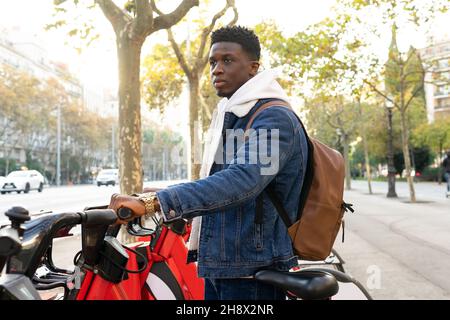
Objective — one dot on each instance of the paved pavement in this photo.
(399, 250)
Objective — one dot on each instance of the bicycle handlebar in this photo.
(40, 232)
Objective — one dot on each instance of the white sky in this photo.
(97, 65)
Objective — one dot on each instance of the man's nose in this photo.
(217, 69)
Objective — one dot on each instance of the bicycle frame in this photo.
(166, 254)
(160, 257)
(154, 268)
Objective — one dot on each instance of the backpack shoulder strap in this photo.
(279, 103)
(308, 174)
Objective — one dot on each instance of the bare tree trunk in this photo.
(7, 165)
(366, 149)
(348, 177)
(406, 156)
(130, 159)
(196, 146)
(367, 160)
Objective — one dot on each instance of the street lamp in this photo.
(390, 154)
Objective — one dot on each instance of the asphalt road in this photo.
(63, 199)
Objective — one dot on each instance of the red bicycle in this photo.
(153, 268)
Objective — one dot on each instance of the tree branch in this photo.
(207, 31)
(179, 54)
(419, 88)
(380, 93)
(153, 4)
(166, 21)
(114, 14)
(235, 18)
(143, 22)
(203, 58)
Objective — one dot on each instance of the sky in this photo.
(97, 65)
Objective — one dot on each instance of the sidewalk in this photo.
(398, 250)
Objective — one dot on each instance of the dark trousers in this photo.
(241, 289)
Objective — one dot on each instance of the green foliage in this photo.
(162, 79)
(422, 157)
(29, 111)
(77, 20)
(12, 166)
(436, 135)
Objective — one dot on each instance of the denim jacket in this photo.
(232, 242)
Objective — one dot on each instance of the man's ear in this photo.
(254, 67)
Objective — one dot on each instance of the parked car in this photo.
(22, 180)
(108, 177)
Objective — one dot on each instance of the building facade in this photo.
(437, 79)
(26, 53)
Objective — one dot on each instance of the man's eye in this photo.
(227, 60)
(212, 63)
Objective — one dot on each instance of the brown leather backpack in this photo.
(321, 206)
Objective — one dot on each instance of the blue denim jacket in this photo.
(232, 244)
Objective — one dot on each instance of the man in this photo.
(446, 165)
(231, 240)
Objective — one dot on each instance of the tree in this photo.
(404, 73)
(338, 49)
(193, 65)
(163, 79)
(404, 82)
(132, 25)
(435, 135)
(333, 121)
(19, 93)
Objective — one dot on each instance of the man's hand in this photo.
(133, 203)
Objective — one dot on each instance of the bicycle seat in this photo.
(306, 284)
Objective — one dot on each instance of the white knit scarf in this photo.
(262, 86)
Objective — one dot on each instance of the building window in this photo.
(443, 103)
(442, 90)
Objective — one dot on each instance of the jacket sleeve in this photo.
(243, 179)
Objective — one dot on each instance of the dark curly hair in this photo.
(241, 35)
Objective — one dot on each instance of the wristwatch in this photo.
(148, 199)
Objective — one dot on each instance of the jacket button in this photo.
(172, 213)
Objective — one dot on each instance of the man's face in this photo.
(230, 67)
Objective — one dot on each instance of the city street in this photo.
(70, 198)
(395, 249)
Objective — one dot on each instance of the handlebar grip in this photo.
(124, 213)
(99, 217)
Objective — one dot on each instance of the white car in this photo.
(22, 180)
(108, 177)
